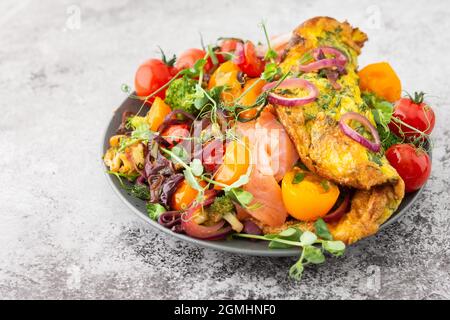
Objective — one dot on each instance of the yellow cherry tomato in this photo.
(235, 162)
(184, 195)
(157, 113)
(252, 92)
(306, 196)
(227, 75)
(382, 80)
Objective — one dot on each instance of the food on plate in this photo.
(288, 141)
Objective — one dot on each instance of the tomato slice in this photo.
(252, 65)
(175, 133)
(188, 58)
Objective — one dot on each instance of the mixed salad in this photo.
(209, 156)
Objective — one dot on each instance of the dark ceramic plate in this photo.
(239, 246)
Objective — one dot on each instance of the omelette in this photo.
(322, 146)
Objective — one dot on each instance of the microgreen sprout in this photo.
(313, 245)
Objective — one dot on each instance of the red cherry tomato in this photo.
(189, 57)
(252, 65)
(175, 133)
(412, 164)
(415, 113)
(150, 76)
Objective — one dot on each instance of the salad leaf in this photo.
(336, 248)
(307, 238)
(154, 210)
(322, 230)
(196, 167)
(313, 255)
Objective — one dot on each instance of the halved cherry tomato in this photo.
(227, 75)
(226, 46)
(252, 65)
(380, 79)
(157, 113)
(235, 163)
(412, 164)
(212, 155)
(175, 133)
(188, 58)
(306, 196)
(250, 97)
(184, 195)
(415, 113)
(150, 76)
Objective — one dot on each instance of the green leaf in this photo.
(308, 238)
(270, 71)
(196, 167)
(212, 55)
(242, 197)
(181, 153)
(296, 271)
(336, 248)
(313, 255)
(322, 230)
(375, 158)
(299, 176)
(191, 180)
(279, 245)
(289, 232)
(325, 185)
(154, 210)
(238, 183)
(140, 191)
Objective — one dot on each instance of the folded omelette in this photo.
(323, 147)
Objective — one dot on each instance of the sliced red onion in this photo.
(372, 146)
(221, 235)
(170, 120)
(239, 54)
(339, 212)
(170, 219)
(339, 60)
(292, 83)
(251, 228)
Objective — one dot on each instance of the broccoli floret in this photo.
(223, 207)
(181, 95)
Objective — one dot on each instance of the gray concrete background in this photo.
(65, 234)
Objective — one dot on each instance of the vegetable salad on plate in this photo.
(288, 142)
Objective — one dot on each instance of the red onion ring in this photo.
(239, 54)
(339, 212)
(170, 218)
(251, 228)
(339, 60)
(292, 83)
(202, 232)
(372, 146)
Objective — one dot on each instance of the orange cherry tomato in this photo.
(250, 97)
(306, 196)
(382, 80)
(157, 113)
(184, 195)
(235, 163)
(227, 75)
(150, 76)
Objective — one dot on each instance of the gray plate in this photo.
(238, 246)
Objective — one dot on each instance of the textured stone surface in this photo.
(65, 234)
